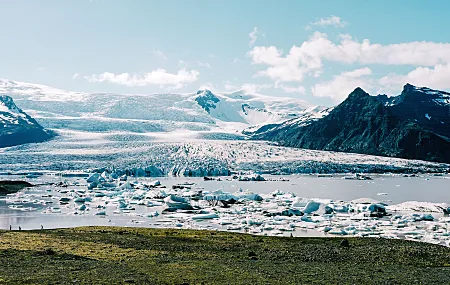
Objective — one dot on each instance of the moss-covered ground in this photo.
(113, 255)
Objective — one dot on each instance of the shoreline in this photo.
(300, 205)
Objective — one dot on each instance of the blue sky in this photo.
(314, 50)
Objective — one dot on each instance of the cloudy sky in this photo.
(315, 50)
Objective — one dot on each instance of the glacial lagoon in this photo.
(51, 206)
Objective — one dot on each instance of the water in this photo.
(427, 188)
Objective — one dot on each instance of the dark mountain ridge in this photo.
(413, 125)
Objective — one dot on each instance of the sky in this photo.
(318, 51)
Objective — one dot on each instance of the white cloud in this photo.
(357, 72)
(75, 76)
(290, 89)
(282, 69)
(343, 84)
(330, 21)
(236, 60)
(229, 86)
(203, 64)
(309, 57)
(208, 86)
(253, 36)
(266, 55)
(254, 88)
(159, 54)
(157, 77)
(436, 77)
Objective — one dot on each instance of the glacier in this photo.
(194, 134)
(147, 155)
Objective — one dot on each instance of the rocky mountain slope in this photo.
(16, 127)
(413, 125)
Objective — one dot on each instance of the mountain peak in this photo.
(204, 92)
(409, 86)
(16, 127)
(358, 93)
(206, 99)
(408, 89)
(6, 99)
(8, 104)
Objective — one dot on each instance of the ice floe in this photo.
(186, 205)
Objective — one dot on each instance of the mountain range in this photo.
(195, 115)
(412, 125)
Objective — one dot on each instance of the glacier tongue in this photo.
(150, 156)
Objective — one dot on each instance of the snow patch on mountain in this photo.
(305, 118)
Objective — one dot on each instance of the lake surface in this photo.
(391, 189)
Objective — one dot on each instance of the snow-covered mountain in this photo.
(170, 134)
(202, 113)
(308, 116)
(16, 127)
(249, 109)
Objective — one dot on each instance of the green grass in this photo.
(113, 255)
